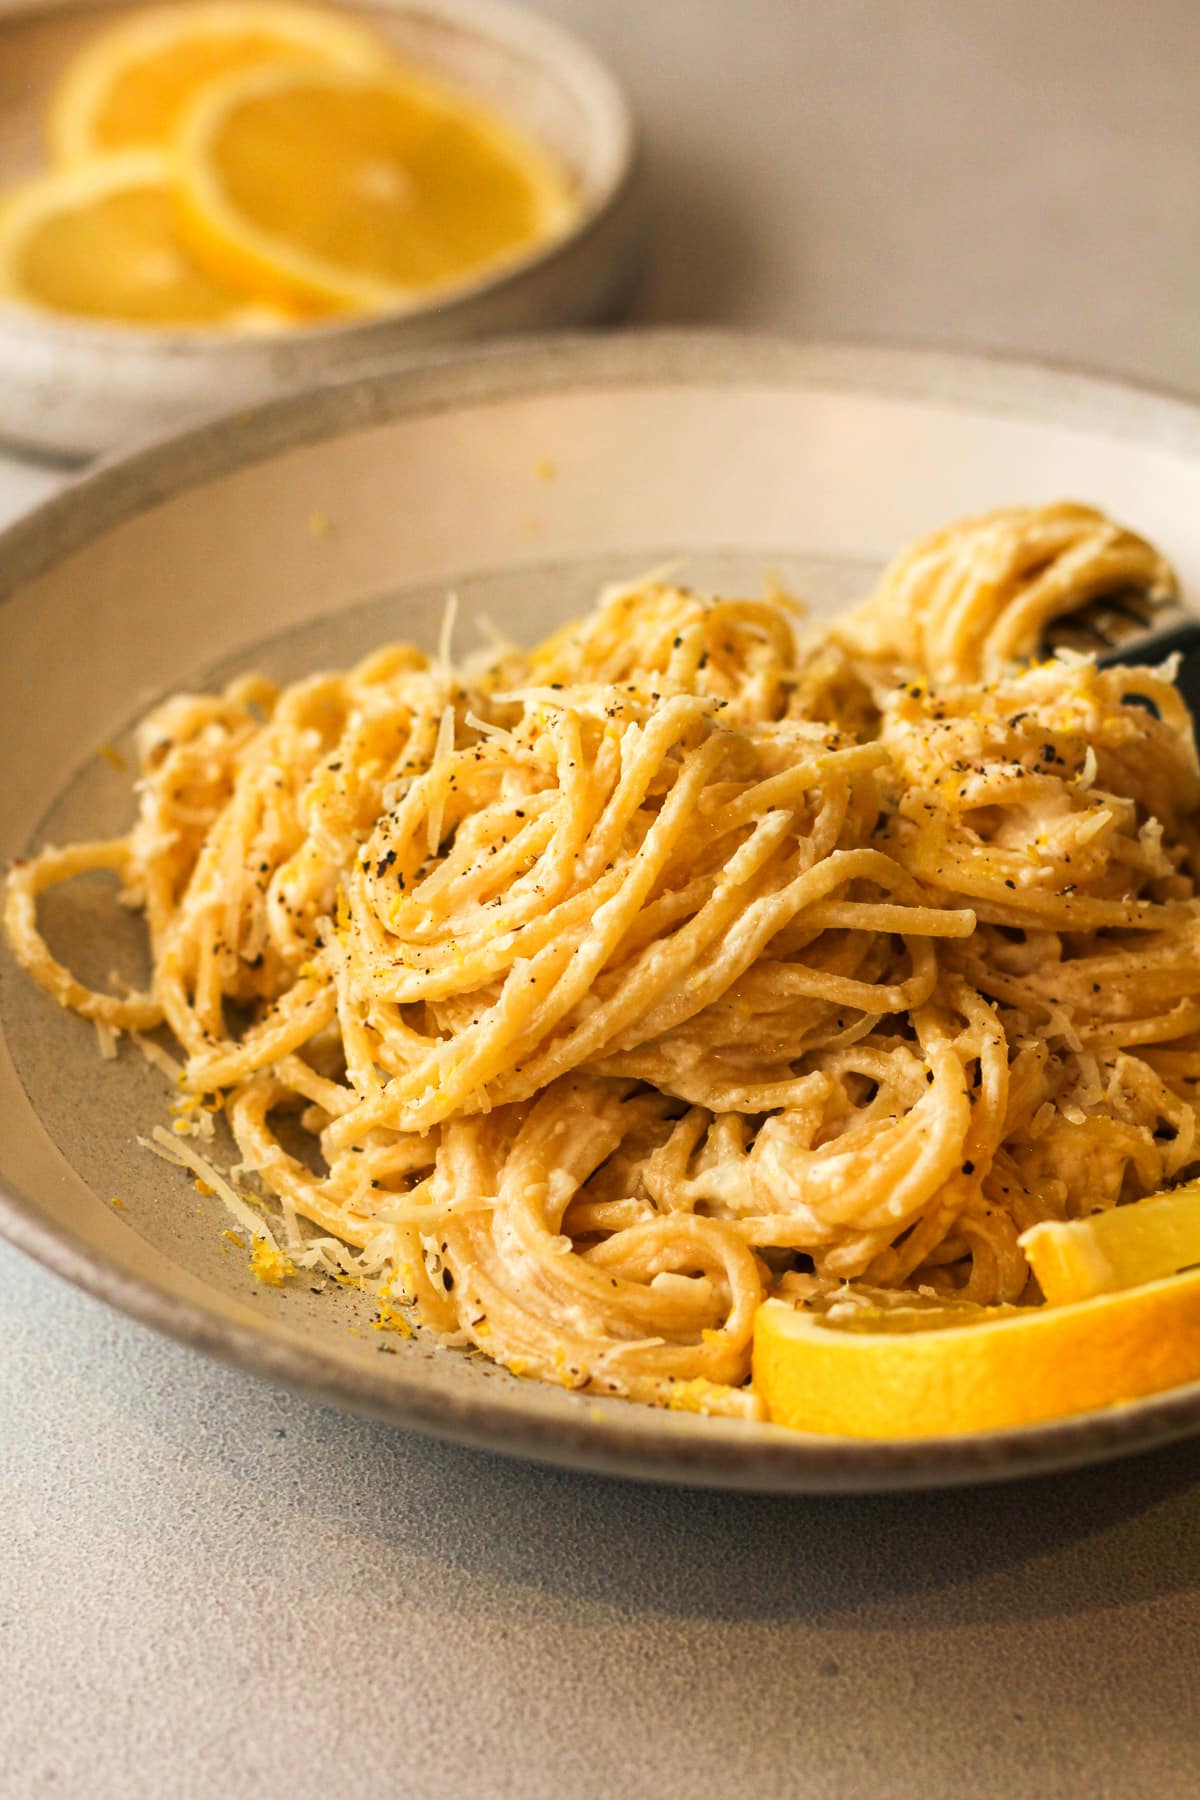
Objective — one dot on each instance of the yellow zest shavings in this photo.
(390, 1318)
(117, 1202)
(698, 1395)
(269, 1264)
(112, 756)
(188, 1108)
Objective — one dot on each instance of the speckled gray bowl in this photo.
(76, 387)
(301, 533)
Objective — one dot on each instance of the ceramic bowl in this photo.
(299, 535)
(75, 388)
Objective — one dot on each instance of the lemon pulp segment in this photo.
(130, 85)
(102, 242)
(356, 192)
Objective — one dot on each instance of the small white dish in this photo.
(74, 388)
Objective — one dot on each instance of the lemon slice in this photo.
(101, 242)
(875, 1373)
(1118, 1248)
(360, 193)
(130, 84)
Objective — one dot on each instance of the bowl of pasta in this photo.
(578, 898)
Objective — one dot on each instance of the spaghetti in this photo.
(698, 950)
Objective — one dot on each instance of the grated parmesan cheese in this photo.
(445, 647)
(486, 728)
(158, 1058)
(160, 1143)
(1090, 769)
(443, 750)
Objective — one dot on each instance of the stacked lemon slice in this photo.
(1122, 1320)
(250, 163)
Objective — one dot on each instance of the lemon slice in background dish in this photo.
(875, 1372)
(101, 242)
(359, 193)
(129, 86)
(1120, 1248)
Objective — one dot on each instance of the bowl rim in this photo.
(614, 156)
(628, 1444)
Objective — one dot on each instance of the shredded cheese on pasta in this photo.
(692, 953)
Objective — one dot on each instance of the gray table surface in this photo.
(211, 1588)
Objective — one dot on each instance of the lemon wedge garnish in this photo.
(101, 242)
(129, 86)
(872, 1372)
(359, 193)
(1141, 1241)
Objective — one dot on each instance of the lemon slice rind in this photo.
(35, 203)
(883, 1378)
(1123, 1247)
(76, 107)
